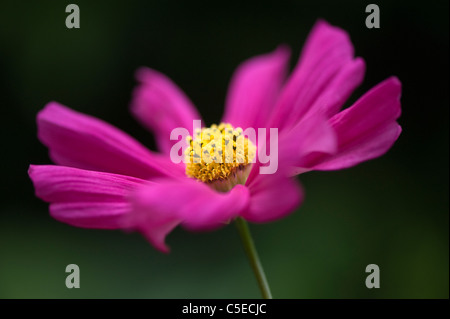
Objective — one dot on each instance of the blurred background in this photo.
(392, 211)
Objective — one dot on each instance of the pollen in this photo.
(219, 155)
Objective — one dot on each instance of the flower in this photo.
(106, 179)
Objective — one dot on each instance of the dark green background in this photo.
(392, 211)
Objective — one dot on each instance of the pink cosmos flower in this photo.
(106, 179)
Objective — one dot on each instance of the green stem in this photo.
(252, 255)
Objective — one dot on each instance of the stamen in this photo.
(220, 156)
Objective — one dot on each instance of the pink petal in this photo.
(193, 203)
(84, 198)
(367, 129)
(82, 141)
(254, 89)
(338, 91)
(156, 233)
(322, 69)
(154, 222)
(272, 197)
(311, 137)
(161, 106)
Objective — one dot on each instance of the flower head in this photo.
(106, 179)
(220, 156)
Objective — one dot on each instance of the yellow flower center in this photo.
(220, 156)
